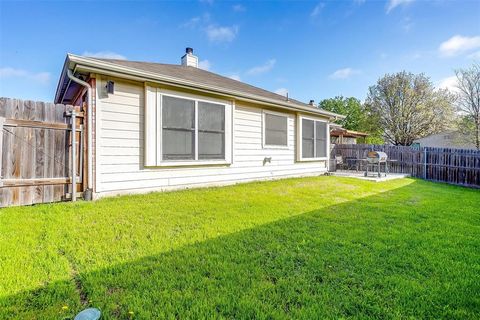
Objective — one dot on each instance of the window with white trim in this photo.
(185, 130)
(320, 139)
(211, 131)
(313, 139)
(275, 130)
(178, 129)
(187, 122)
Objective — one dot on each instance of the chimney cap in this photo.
(188, 50)
(312, 102)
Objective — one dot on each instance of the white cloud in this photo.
(214, 32)
(344, 73)
(317, 9)
(40, 77)
(221, 34)
(449, 83)
(281, 91)
(204, 64)
(196, 21)
(459, 44)
(392, 4)
(407, 24)
(235, 77)
(104, 55)
(267, 66)
(238, 8)
(192, 22)
(475, 55)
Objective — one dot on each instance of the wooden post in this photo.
(425, 163)
(74, 155)
(2, 121)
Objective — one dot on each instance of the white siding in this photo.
(120, 149)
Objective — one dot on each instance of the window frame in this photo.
(195, 130)
(228, 113)
(300, 138)
(264, 129)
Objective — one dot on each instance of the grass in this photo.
(308, 248)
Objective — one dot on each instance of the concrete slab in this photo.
(370, 177)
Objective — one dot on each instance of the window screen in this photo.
(314, 139)
(178, 129)
(308, 138)
(211, 131)
(276, 133)
(320, 139)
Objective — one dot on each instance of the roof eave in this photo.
(63, 74)
(107, 67)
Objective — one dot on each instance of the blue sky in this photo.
(312, 49)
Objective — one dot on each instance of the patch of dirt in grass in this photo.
(75, 277)
(113, 290)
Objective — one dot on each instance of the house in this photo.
(153, 126)
(339, 135)
(446, 139)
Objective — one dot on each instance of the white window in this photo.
(178, 129)
(313, 139)
(211, 131)
(185, 130)
(275, 129)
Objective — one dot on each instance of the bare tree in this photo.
(468, 98)
(408, 107)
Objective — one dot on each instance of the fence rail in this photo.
(35, 150)
(450, 165)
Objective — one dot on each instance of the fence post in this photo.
(425, 163)
(2, 121)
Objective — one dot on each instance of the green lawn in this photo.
(307, 248)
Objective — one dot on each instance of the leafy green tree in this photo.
(468, 102)
(408, 107)
(358, 117)
(466, 126)
(371, 125)
(349, 107)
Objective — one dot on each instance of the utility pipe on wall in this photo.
(89, 190)
(74, 156)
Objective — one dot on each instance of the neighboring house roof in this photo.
(446, 139)
(338, 131)
(186, 76)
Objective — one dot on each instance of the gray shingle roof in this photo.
(194, 78)
(202, 76)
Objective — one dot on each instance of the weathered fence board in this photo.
(35, 152)
(2, 121)
(455, 166)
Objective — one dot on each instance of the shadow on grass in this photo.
(395, 254)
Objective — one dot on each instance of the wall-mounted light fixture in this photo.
(110, 86)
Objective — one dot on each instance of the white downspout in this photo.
(88, 195)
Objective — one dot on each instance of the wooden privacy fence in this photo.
(35, 148)
(450, 165)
